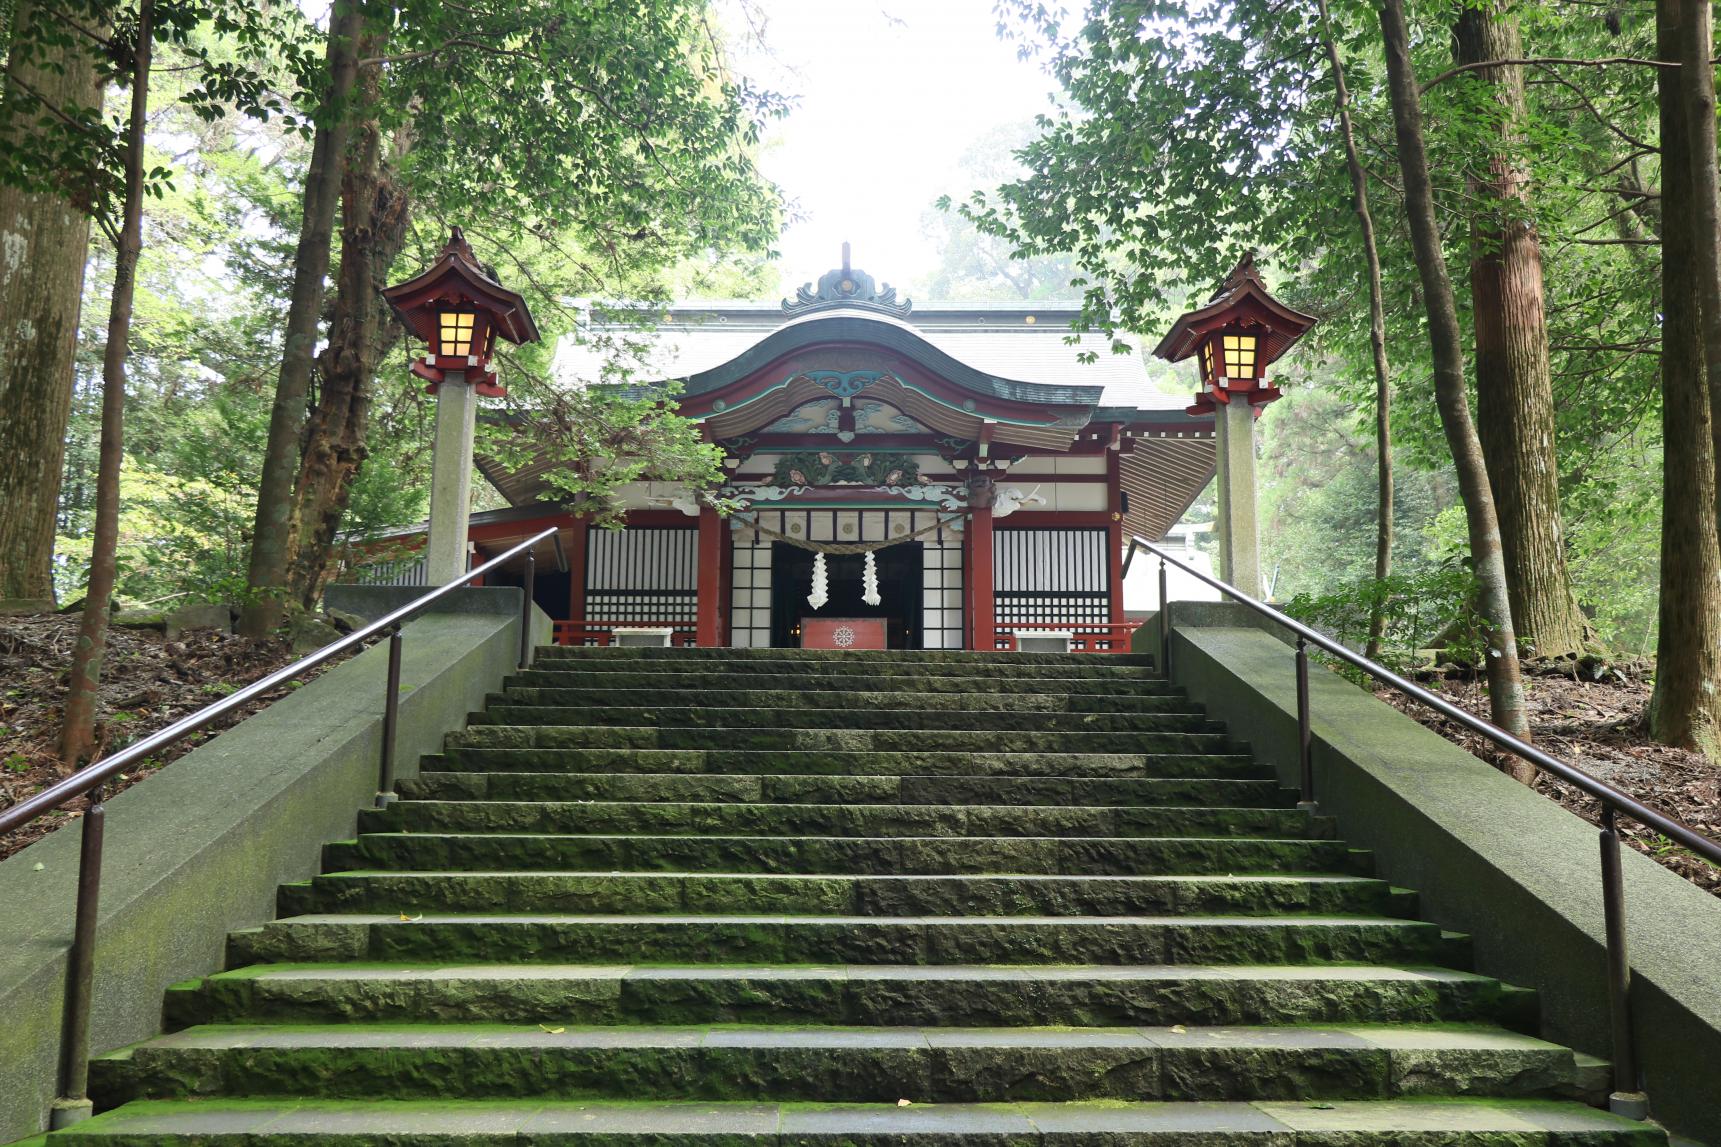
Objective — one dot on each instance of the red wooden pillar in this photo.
(982, 625)
(1114, 533)
(708, 631)
(577, 574)
(726, 588)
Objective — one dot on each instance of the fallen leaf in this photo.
(551, 1030)
(1179, 1029)
(410, 919)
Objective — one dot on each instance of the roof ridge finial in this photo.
(847, 286)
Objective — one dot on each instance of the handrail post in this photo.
(73, 1104)
(1626, 1099)
(1305, 733)
(390, 722)
(1164, 623)
(526, 610)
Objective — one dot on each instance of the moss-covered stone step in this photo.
(970, 895)
(835, 762)
(863, 715)
(874, 679)
(1421, 1122)
(848, 661)
(931, 1064)
(949, 706)
(491, 733)
(960, 995)
(1077, 856)
(817, 789)
(728, 819)
(777, 939)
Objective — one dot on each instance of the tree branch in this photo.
(1546, 61)
(1596, 112)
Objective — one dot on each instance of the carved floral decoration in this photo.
(822, 468)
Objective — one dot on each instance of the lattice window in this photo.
(645, 575)
(1051, 577)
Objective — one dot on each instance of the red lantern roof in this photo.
(1242, 300)
(457, 277)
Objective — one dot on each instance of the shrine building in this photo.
(931, 477)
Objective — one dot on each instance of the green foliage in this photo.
(1419, 610)
(228, 54)
(973, 264)
(1190, 132)
(590, 150)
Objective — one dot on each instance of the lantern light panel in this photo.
(1239, 356)
(456, 333)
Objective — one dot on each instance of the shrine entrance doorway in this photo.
(899, 586)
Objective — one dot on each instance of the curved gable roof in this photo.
(851, 328)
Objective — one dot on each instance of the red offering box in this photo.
(843, 633)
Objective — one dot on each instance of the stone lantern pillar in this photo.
(1234, 338)
(458, 307)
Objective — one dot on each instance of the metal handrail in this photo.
(93, 779)
(1627, 1097)
(1595, 786)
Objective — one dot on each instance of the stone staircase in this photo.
(715, 897)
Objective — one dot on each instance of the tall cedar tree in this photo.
(1505, 684)
(271, 531)
(1376, 338)
(45, 239)
(114, 173)
(1685, 708)
(1697, 85)
(375, 212)
(77, 733)
(1514, 380)
(664, 137)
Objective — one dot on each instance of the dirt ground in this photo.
(1597, 725)
(147, 683)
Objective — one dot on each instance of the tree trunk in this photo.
(1376, 342)
(1685, 709)
(1697, 87)
(1514, 381)
(270, 532)
(44, 243)
(77, 736)
(374, 216)
(1505, 685)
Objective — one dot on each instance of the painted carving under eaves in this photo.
(822, 468)
(950, 499)
(825, 416)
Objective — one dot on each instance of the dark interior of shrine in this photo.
(899, 587)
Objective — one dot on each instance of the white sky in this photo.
(890, 93)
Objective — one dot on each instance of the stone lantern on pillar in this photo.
(1234, 338)
(459, 309)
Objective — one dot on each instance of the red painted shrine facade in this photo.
(948, 477)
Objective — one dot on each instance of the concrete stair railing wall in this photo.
(200, 848)
(717, 896)
(1487, 855)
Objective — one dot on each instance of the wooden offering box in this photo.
(843, 633)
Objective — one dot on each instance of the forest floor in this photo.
(1597, 725)
(147, 683)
